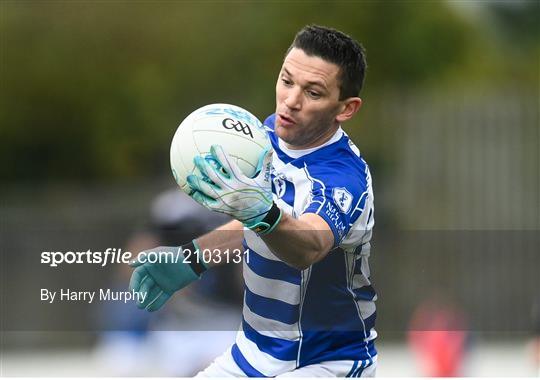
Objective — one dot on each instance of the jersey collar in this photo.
(297, 153)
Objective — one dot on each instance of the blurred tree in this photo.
(96, 89)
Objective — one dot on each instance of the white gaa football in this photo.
(239, 132)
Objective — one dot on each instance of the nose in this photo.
(293, 100)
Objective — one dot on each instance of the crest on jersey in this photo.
(280, 186)
(343, 199)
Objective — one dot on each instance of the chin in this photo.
(289, 138)
(282, 133)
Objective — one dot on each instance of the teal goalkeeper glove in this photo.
(225, 188)
(161, 271)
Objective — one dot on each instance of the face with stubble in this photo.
(308, 109)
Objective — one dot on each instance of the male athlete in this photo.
(304, 224)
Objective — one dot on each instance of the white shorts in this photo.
(225, 366)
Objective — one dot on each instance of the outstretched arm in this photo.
(219, 244)
(161, 271)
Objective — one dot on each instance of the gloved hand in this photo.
(162, 278)
(226, 189)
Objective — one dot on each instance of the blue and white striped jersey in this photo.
(294, 318)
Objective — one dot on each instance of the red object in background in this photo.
(438, 336)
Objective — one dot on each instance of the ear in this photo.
(349, 107)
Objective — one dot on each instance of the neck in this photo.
(318, 141)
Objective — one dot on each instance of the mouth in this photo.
(285, 121)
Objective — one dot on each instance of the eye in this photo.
(313, 94)
(286, 82)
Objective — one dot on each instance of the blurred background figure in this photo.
(438, 335)
(195, 327)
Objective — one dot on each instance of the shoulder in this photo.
(341, 186)
(340, 165)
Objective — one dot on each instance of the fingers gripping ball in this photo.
(224, 188)
(240, 133)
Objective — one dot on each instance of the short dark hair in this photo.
(338, 48)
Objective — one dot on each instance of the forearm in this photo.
(299, 243)
(221, 243)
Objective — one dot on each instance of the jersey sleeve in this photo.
(338, 196)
